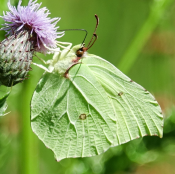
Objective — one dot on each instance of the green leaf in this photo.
(94, 108)
(3, 104)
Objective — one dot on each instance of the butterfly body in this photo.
(61, 62)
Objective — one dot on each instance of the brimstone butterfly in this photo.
(86, 105)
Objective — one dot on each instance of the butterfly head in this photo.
(80, 51)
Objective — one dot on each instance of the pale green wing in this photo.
(73, 117)
(137, 112)
(95, 108)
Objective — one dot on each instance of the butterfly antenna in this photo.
(84, 37)
(94, 34)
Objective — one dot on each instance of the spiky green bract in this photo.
(94, 108)
(15, 58)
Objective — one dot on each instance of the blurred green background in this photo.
(138, 37)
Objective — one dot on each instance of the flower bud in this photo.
(16, 52)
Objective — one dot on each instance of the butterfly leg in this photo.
(42, 67)
(60, 44)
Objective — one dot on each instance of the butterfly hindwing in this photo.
(73, 115)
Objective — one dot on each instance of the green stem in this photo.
(29, 161)
(158, 9)
(29, 155)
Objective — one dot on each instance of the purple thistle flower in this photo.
(41, 28)
(29, 30)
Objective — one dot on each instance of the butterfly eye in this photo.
(80, 52)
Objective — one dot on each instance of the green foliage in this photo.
(3, 104)
(4, 148)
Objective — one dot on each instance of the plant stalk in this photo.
(158, 8)
(29, 161)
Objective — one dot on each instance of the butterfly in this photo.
(84, 105)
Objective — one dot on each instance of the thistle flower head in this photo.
(42, 29)
(29, 29)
